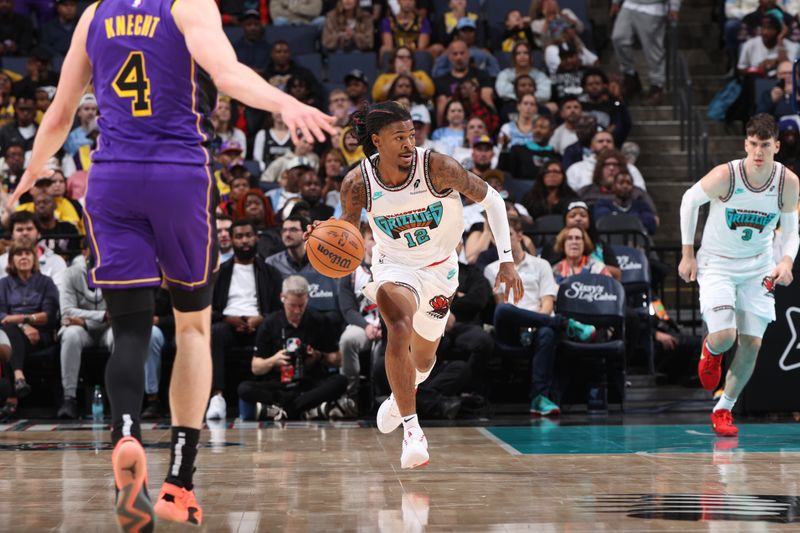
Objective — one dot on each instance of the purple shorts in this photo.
(147, 219)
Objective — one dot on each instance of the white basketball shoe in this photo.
(415, 449)
(388, 415)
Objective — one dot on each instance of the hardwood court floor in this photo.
(540, 477)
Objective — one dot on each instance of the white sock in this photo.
(725, 403)
(422, 376)
(411, 422)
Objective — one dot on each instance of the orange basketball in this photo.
(335, 248)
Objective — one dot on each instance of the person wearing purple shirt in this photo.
(149, 209)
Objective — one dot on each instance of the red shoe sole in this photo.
(133, 508)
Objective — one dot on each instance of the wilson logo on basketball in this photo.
(335, 258)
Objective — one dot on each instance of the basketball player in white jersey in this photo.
(413, 204)
(735, 266)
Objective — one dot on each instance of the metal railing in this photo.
(693, 132)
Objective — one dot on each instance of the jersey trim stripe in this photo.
(374, 162)
(428, 181)
(747, 183)
(367, 187)
(731, 182)
(780, 187)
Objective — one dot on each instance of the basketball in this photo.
(335, 248)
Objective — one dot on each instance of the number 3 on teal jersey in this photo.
(419, 237)
(747, 234)
(132, 82)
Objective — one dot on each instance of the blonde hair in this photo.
(295, 285)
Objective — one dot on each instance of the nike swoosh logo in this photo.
(407, 419)
(506, 251)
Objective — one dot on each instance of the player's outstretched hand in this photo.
(25, 184)
(782, 274)
(508, 275)
(311, 122)
(687, 269)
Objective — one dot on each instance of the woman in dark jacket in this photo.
(550, 194)
(28, 309)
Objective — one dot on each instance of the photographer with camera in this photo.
(295, 363)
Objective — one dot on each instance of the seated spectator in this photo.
(56, 34)
(13, 165)
(305, 89)
(252, 49)
(324, 292)
(548, 21)
(7, 99)
(66, 210)
(480, 58)
(402, 62)
(469, 95)
(40, 72)
(422, 128)
(520, 131)
(331, 172)
(524, 161)
(534, 312)
(356, 85)
(61, 237)
(16, 31)
(24, 226)
(224, 130)
(350, 146)
(522, 63)
(568, 35)
(404, 28)
(612, 114)
(623, 203)
(362, 323)
(451, 135)
(448, 24)
(294, 12)
(340, 107)
(246, 291)
(224, 223)
(23, 129)
(582, 173)
(43, 97)
(579, 216)
(273, 141)
(780, 9)
(28, 309)
(474, 133)
(735, 11)
(778, 100)
(571, 109)
(608, 164)
(404, 86)
(567, 78)
(761, 55)
(296, 359)
(281, 66)
(311, 193)
(524, 84)
(550, 194)
(82, 158)
(304, 150)
(575, 248)
(255, 207)
(585, 129)
(517, 29)
(447, 84)
(87, 114)
(229, 153)
(84, 324)
(347, 28)
(241, 182)
(289, 190)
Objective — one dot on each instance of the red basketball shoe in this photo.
(722, 423)
(709, 369)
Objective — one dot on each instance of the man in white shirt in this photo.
(767, 50)
(564, 135)
(580, 174)
(531, 322)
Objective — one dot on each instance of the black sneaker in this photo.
(68, 409)
(153, 410)
(21, 388)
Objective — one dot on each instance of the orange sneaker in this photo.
(709, 369)
(134, 509)
(722, 423)
(178, 505)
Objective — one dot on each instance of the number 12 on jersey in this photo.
(418, 238)
(132, 82)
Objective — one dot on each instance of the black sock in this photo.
(132, 426)
(182, 453)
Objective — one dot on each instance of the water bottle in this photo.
(97, 404)
(526, 337)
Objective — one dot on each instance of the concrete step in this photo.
(661, 112)
(647, 128)
(670, 144)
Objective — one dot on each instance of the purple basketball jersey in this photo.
(154, 100)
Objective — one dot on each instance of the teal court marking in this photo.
(546, 437)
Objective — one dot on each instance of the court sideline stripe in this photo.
(497, 440)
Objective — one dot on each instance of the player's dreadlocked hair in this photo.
(370, 119)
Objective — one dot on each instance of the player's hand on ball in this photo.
(687, 269)
(311, 227)
(782, 274)
(509, 276)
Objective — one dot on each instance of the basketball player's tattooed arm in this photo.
(782, 273)
(354, 197)
(446, 173)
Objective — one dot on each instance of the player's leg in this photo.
(397, 305)
(717, 303)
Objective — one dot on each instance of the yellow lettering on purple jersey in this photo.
(120, 21)
(109, 27)
(137, 24)
(155, 23)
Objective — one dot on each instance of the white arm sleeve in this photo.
(692, 200)
(791, 239)
(498, 223)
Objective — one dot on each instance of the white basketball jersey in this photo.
(742, 223)
(412, 223)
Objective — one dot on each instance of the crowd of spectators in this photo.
(523, 104)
